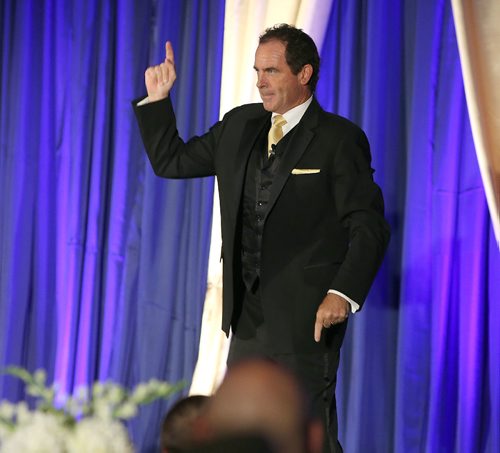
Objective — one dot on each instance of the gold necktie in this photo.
(275, 133)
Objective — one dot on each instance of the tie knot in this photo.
(279, 121)
(276, 132)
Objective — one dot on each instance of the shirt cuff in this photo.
(354, 305)
(143, 102)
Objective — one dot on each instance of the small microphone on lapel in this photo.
(272, 153)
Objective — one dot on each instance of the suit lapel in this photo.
(294, 150)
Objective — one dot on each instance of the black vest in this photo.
(259, 178)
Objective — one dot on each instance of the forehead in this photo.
(270, 53)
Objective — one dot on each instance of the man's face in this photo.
(279, 88)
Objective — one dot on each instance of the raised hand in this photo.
(160, 79)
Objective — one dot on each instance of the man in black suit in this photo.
(302, 219)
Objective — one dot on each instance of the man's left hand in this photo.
(333, 310)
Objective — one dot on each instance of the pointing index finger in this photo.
(318, 326)
(169, 52)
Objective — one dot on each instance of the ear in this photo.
(305, 74)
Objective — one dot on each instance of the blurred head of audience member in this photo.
(177, 427)
(239, 443)
(258, 397)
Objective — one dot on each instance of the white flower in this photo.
(141, 392)
(42, 433)
(115, 394)
(7, 410)
(93, 435)
(97, 389)
(102, 410)
(23, 414)
(40, 377)
(87, 421)
(126, 411)
(72, 407)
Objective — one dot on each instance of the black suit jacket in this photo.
(324, 227)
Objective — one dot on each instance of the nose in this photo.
(261, 80)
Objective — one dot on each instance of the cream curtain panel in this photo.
(244, 21)
(478, 34)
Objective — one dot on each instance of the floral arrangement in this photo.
(90, 421)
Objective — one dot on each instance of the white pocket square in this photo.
(305, 171)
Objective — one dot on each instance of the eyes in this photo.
(267, 71)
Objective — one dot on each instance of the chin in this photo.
(267, 102)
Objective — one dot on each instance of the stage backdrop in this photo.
(103, 266)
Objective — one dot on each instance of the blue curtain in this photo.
(103, 265)
(421, 362)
